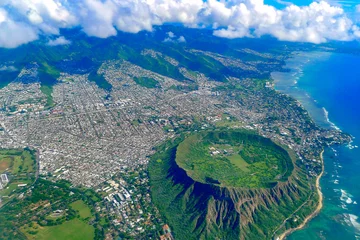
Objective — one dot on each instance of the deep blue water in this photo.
(326, 82)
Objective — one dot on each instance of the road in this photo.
(316, 211)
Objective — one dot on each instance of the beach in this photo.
(327, 85)
(318, 208)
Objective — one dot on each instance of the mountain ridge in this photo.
(214, 212)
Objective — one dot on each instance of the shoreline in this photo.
(316, 211)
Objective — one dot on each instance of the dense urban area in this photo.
(91, 134)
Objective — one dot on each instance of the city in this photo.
(94, 138)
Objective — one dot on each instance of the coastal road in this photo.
(308, 218)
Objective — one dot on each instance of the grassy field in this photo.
(147, 82)
(21, 165)
(48, 90)
(70, 230)
(9, 188)
(234, 158)
(238, 161)
(5, 163)
(16, 161)
(48, 75)
(82, 208)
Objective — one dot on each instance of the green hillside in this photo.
(198, 209)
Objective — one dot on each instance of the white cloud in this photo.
(59, 41)
(181, 39)
(316, 23)
(14, 33)
(25, 20)
(170, 34)
(46, 15)
(284, 2)
(171, 37)
(8, 69)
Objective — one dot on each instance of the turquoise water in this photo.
(328, 85)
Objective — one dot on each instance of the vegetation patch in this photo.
(210, 209)
(46, 68)
(51, 210)
(48, 90)
(82, 208)
(5, 163)
(147, 82)
(100, 80)
(238, 161)
(70, 230)
(20, 167)
(48, 76)
(17, 161)
(158, 65)
(234, 159)
(7, 77)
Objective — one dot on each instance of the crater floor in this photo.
(233, 158)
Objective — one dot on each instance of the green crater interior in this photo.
(234, 159)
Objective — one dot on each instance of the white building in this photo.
(4, 178)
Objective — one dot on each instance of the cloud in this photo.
(170, 34)
(171, 37)
(284, 2)
(58, 41)
(13, 33)
(8, 69)
(23, 21)
(181, 39)
(316, 23)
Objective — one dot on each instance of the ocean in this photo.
(328, 85)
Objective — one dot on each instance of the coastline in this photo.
(316, 211)
(339, 98)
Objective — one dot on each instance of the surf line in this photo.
(318, 208)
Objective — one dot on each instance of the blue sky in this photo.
(346, 4)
